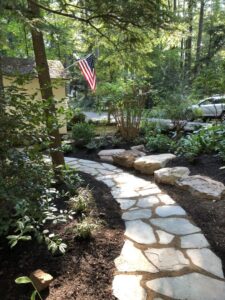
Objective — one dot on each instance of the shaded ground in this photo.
(85, 272)
(208, 215)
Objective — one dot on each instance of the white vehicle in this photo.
(212, 107)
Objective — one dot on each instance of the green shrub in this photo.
(77, 117)
(83, 230)
(210, 139)
(160, 143)
(67, 148)
(83, 133)
(27, 206)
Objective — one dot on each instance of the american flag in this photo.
(87, 67)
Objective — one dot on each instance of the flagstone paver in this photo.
(165, 254)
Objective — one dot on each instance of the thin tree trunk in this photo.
(174, 5)
(45, 85)
(1, 79)
(188, 48)
(199, 39)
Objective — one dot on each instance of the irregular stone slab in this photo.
(139, 148)
(140, 232)
(107, 155)
(202, 187)
(106, 158)
(127, 158)
(207, 260)
(109, 167)
(124, 192)
(164, 237)
(192, 286)
(127, 287)
(147, 201)
(166, 199)
(125, 203)
(88, 170)
(131, 259)
(148, 164)
(151, 191)
(170, 175)
(196, 240)
(167, 259)
(178, 226)
(110, 152)
(108, 182)
(170, 210)
(132, 181)
(137, 214)
(70, 159)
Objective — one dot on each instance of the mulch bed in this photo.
(85, 272)
(208, 215)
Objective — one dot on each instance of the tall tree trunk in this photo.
(199, 39)
(45, 85)
(1, 80)
(174, 5)
(188, 48)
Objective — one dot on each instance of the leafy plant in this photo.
(83, 230)
(160, 143)
(26, 280)
(206, 140)
(83, 133)
(67, 148)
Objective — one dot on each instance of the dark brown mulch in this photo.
(208, 215)
(85, 272)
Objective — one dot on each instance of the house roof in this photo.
(12, 66)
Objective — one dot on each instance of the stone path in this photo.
(165, 255)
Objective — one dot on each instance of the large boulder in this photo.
(139, 148)
(107, 155)
(127, 158)
(202, 187)
(170, 175)
(149, 164)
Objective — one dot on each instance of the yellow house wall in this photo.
(58, 90)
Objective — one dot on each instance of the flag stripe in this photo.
(87, 67)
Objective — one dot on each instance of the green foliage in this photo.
(67, 148)
(83, 133)
(83, 230)
(206, 140)
(160, 143)
(77, 117)
(25, 280)
(27, 207)
(81, 202)
(125, 100)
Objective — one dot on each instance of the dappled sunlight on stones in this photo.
(164, 237)
(169, 210)
(125, 203)
(132, 259)
(196, 240)
(178, 226)
(147, 201)
(166, 199)
(192, 286)
(140, 232)
(137, 214)
(167, 259)
(207, 260)
(127, 287)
